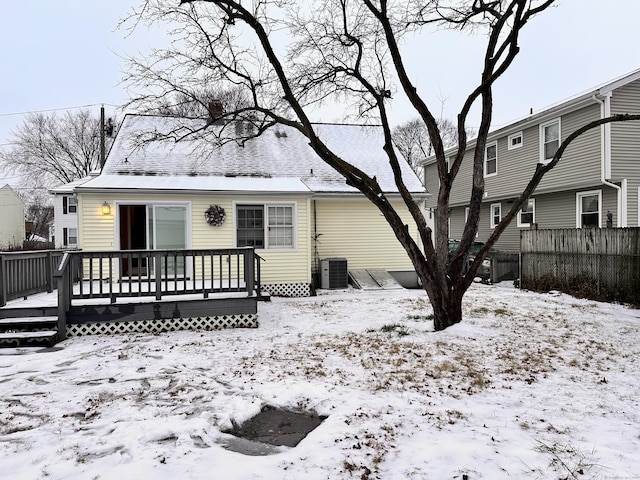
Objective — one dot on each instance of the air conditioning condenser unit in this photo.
(334, 273)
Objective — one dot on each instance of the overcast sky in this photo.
(63, 54)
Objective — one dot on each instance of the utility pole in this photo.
(102, 149)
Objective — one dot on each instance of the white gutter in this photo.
(605, 155)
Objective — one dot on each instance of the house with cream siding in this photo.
(11, 218)
(272, 193)
(596, 184)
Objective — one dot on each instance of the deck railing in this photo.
(26, 273)
(158, 273)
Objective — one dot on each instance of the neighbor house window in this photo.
(588, 208)
(491, 160)
(265, 226)
(69, 205)
(466, 217)
(514, 141)
(527, 215)
(449, 162)
(69, 236)
(496, 214)
(549, 140)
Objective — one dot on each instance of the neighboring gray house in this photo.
(598, 177)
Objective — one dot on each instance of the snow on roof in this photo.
(199, 183)
(69, 187)
(280, 158)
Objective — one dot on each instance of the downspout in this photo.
(605, 155)
(316, 259)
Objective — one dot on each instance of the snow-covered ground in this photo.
(540, 386)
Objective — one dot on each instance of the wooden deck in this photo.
(177, 290)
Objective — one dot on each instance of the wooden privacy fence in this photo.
(504, 266)
(601, 264)
(26, 273)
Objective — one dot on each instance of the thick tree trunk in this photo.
(446, 312)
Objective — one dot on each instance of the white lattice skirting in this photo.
(288, 289)
(164, 325)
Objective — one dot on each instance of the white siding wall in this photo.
(11, 218)
(62, 220)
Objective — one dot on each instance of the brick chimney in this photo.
(216, 110)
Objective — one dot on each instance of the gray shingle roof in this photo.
(279, 159)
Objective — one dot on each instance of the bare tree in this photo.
(40, 214)
(412, 140)
(296, 56)
(54, 149)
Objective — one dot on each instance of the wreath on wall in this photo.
(215, 215)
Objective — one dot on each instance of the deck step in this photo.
(28, 331)
(40, 334)
(27, 320)
(44, 338)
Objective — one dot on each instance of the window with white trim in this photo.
(514, 141)
(70, 237)
(266, 226)
(69, 204)
(527, 214)
(588, 207)
(496, 214)
(280, 226)
(491, 160)
(549, 140)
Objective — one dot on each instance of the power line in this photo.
(57, 109)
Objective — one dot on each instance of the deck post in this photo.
(49, 273)
(249, 274)
(63, 278)
(3, 281)
(158, 268)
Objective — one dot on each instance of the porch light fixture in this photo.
(106, 208)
